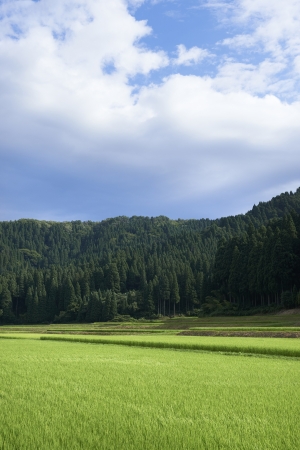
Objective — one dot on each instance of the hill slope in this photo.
(138, 265)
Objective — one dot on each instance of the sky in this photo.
(182, 108)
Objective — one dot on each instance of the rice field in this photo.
(69, 395)
(275, 322)
(259, 346)
(271, 320)
(278, 329)
(246, 345)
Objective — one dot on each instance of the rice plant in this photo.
(63, 395)
(262, 346)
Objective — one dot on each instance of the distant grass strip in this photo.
(9, 336)
(279, 329)
(251, 324)
(131, 323)
(109, 330)
(20, 336)
(170, 343)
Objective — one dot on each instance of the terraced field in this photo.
(148, 386)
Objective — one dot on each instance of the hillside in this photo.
(140, 266)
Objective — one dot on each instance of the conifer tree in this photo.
(113, 278)
(174, 292)
(69, 295)
(6, 305)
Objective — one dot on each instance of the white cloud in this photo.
(93, 32)
(272, 25)
(135, 3)
(65, 80)
(267, 50)
(255, 79)
(61, 107)
(192, 106)
(297, 65)
(188, 57)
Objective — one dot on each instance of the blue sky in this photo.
(183, 108)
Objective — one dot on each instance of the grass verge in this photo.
(278, 347)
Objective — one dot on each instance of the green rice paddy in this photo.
(279, 329)
(63, 395)
(152, 389)
(263, 346)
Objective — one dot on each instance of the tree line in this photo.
(260, 267)
(147, 267)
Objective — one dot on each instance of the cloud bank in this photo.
(72, 109)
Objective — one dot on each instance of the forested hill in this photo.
(261, 266)
(139, 265)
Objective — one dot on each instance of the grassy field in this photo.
(257, 328)
(274, 321)
(263, 346)
(247, 345)
(63, 395)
